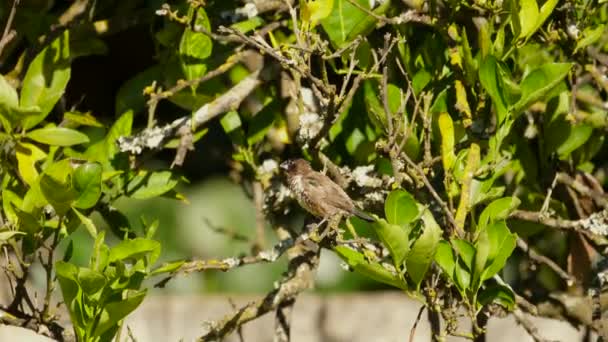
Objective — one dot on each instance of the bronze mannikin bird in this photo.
(317, 193)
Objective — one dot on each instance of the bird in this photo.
(317, 193)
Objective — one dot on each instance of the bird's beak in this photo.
(284, 165)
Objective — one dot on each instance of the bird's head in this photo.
(295, 166)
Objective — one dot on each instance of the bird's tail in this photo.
(362, 215)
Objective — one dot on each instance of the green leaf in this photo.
(590, 36)
(466, 252)
(195, 47)
(8, 95)
(545, 11)
(114, 312)
(372, 270)
(494, 246)
(90, 281)
(463, 276)
(103, 151)
(230, 121)
(27, 157)
(395, 238)
(152, 185)
(424, 248)
(528, 17)
(400, 208)
(87, 182)
(11, 200)
(421, 80)
(576, 137)
(346, 21)
(446, 129)
(444, 257)
(497, 293)
(489, 78)
(87, 222)
(312, 11)
(538, 83)
(248, 25)
(167, 268)
(262, 122)
(59, 194)
(135, 249)
(497, 210)
(7, 235)
(46, 79)
(67, 275)
(58, 136)
(75, 119)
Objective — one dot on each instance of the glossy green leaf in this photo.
(135, 249)
(87, 182)
(545, 11)
(424, 248)
(576, 137)
(90, 281)
(27, 157)
(103, 151)
(10, 200)
(195, 47)
(153, 184)
(60, 195)
(462, 276)
(421, 80)
(445, 257)
(489, 78)
(67, 275)
(261, 123)
(8, 95)
(372, 270)
(590, 36)
(466, 252)
(167, 268)
(87, 222)
(231, 121)
(346, 21)
(58, 136)
(114, 312)
(494, 246)
(538, 83)
(446, 129)
(46, 78)
(312, 11)
(497, 293)
(400, 207)
(528, 16)
(75, 119)
(7, 235)
(497, 210)
(395, 238)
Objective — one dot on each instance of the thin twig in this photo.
(534, 255)
(413, 330)
(521, 318)
(9, 34)
(431, 189)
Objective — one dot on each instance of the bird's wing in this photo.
(329, 192)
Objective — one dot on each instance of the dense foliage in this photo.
(473, 131)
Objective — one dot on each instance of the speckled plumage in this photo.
(317, 193)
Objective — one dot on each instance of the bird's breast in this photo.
(302, 195)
